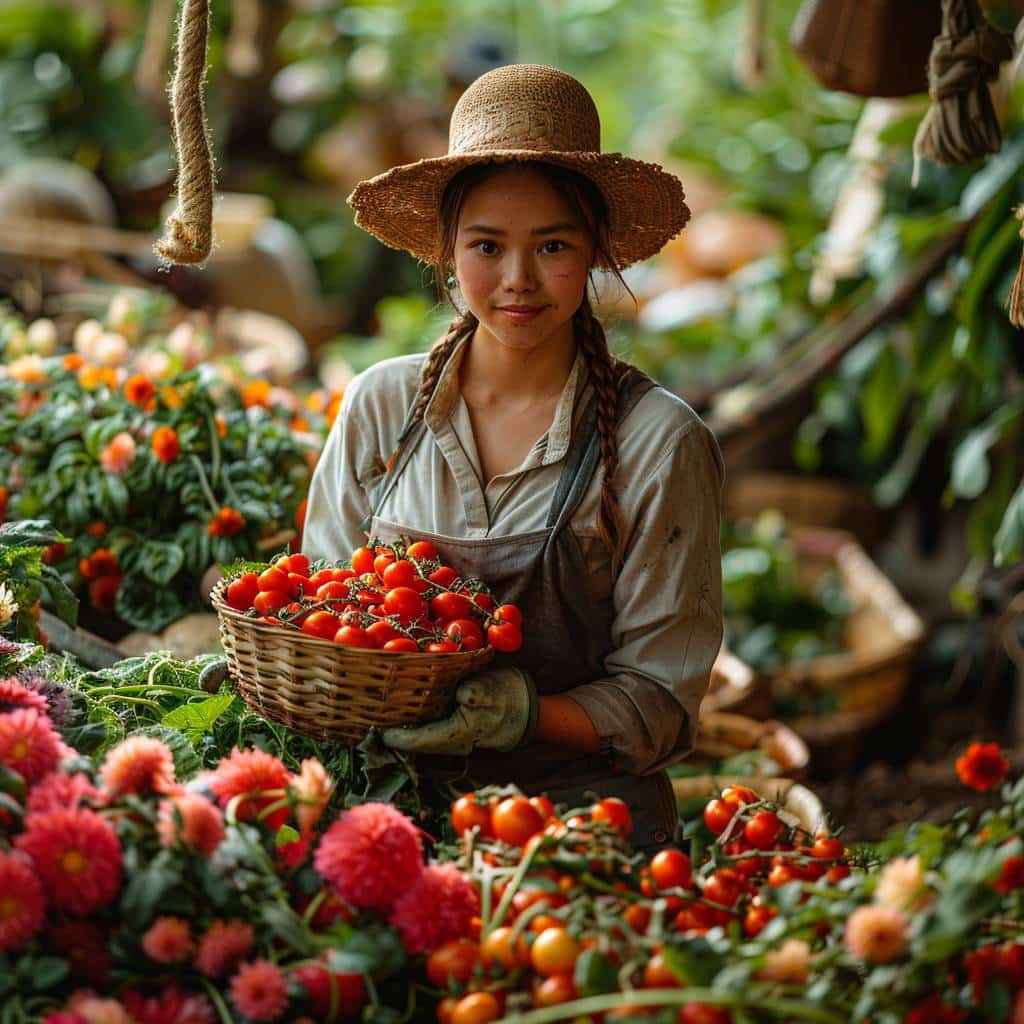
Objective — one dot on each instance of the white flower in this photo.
(8, 606)
(87, 333)
(42, 336)
(110, 349)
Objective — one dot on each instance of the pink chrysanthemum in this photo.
(77, 856)
(259, 991)
(370, 854)
(14, 694)
(85, 947)
(439, 905)
(876, 934)
(257, 776)
(22, 903)
(223, 946)
(119, 454)
(172, 1006)
(139, 764)
(29, 744)
(167, 940)
(313, 787)
(61, 791)
(192, 819)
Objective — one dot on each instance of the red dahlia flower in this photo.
(77, 856)
(84, 945)
(22, 903)
(982, 766)
(192, 819)
(172, 1006)
(60, 791)
(29, 744)
(438, 906)
(223, 946)
(139, 764)
(14, 694)
(257, 776)
(370, 855)
(259, 991)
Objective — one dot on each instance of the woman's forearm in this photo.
(562, 721)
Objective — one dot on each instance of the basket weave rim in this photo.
(422, 657)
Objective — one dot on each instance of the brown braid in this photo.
(461, 327)
(607, 373)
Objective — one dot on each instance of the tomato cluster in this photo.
(565, 903)
(397, 598)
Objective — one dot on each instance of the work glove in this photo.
(496, 710)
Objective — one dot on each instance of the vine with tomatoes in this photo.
(399, 598)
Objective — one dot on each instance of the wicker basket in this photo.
(799, 805)
(721, 735)
(735, 687)
(868, 678)
(331, 692)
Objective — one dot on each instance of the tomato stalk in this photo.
(510, 890)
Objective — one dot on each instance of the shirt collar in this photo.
(442, 402)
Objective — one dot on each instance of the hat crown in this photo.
(525, 107)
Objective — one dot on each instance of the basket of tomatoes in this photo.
(383, 639)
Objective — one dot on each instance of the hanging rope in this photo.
(961, 124)
(241, 51)
(188, 233)
(752, 57)
(151, 68)
(1015, 300)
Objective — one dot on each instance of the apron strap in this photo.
(585, 452)
(407, 442)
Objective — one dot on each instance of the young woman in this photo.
(532, 459)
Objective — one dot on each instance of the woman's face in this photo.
(521, 259)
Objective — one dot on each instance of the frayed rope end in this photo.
(183, 242)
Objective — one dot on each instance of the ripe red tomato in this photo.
(480, 599)
(638, 917)
(405, 603)
(399, 574)
(505, 637)
(332, 590)
(704, 1013)
(756, 919)
(837, 873)
(827, 847)
(717, 815)
(509, 613)
(476, 1008)
(782, 874)
(467, 814)
(354, 636)
(266, 602)
(241, 592)
(382, 631)
(671, 868)
(322, 624)
(452, 961)
(443, 577)
(544, 807)
(499, 948)
(298, 563)
(320, 577)
(422, 550)
(614, 812)
(447, 605)
(383, 558)
(515, 819)
(554, 951)
(723, 887)
(362, 561)
(402, 644)
(466, 634)
(273, 579)
(737, 796)
(559, 988)
(762, 830)
(442, 647)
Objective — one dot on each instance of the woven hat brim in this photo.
(646, 204)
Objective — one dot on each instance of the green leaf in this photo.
(694, 964)
(1009, 539)
(145, 889)
(375, 950)
(881, 404)
(31, 533)
(147, 607)
(160, 561)
(286, 835)
(288, 927)
(198, 717)
(186, 760)
(594, 974)
(64, 601)
(49, 971)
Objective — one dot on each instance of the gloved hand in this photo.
(496, 709)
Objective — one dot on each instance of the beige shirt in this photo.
(667, 595)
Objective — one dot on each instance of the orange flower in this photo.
(982, 766)
(165, 443)
(167, 940)
(226, 523)
(92, 377)
(118, 456)
(222, 426)
(73, 362)
(139, 764)
(171, 397)
(256, 392)
(28, 369)
(139, 389)
(102, 562)
(333, 406)
(299, 424)
(313, 787)
(97, 528)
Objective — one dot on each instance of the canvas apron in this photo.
(567, 629)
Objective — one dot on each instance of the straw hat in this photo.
(515, 113)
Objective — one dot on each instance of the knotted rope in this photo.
(1015, 300)
(961, 124)
(188, 233)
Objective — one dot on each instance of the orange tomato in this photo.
(554, 951)
(452, 961)
(515, 820)
(476, 1008)
(559, 988)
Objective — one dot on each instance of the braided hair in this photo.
(607, 372)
